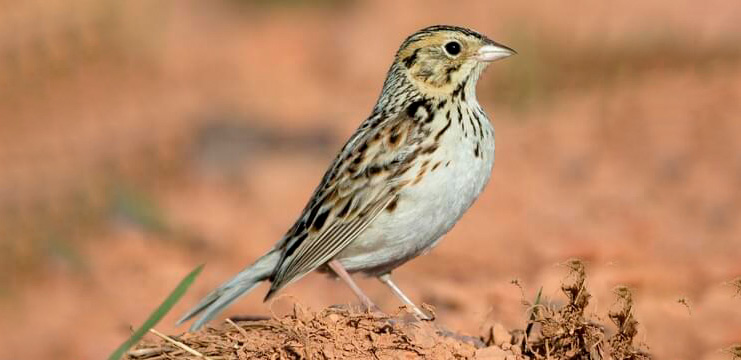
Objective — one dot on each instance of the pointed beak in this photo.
(493, 51)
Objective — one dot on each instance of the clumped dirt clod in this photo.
(565, 332)
(621, 315)
(736, 284)
(735, 351)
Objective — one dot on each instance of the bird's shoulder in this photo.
(374, 164)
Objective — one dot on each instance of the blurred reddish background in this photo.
(139, 139)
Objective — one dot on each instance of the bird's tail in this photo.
(231, 290)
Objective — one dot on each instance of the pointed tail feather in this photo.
(227, 293)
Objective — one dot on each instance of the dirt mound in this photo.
(333, 333)
(551, 332)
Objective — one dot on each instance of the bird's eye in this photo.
(453, 48)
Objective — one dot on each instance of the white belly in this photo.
(427, 210)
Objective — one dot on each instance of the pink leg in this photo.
(342, 273)
(386, 279)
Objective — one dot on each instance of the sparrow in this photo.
(402, 180)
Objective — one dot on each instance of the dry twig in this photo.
(179, 344)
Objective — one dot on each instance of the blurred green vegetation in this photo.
(52, 232)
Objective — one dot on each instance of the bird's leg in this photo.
(386, 279)
(342, 274)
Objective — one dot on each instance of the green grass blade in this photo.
(531, 321)
(158, 314)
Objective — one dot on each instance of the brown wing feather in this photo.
(362, 181)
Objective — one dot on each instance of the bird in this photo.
(401, 181)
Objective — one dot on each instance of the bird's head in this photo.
(440, 59)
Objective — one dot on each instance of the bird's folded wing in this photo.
(329, 243)
(366, 176)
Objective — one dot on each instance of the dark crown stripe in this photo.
(430, 30)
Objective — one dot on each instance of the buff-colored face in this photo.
(438, 61)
